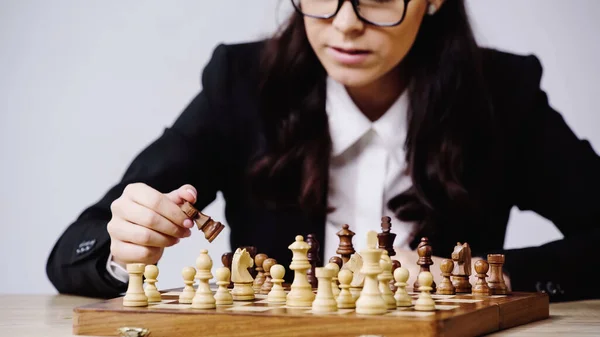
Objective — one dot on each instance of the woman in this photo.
(353, 111)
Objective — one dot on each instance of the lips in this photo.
(351, 51)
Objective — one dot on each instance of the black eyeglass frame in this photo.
(355, 7)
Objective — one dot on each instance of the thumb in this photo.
(184, 193)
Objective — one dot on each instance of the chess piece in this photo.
(277, 293)
(313, 259)
(425, 302)
(386, 238)
(252, 251)
(370, 301)
(208, 226)
(395, 265)
(222, 296)
(337, 260)
(345, 248)
(135, 295)
(151, 275)
(496, 280)
(301, 294)
(425, 252)
(334, 279)
(384, 280)
(355, 265)
(445, 287)
(402, 297)
(203, 299)
(188, 292)
(260, 275)
(345, 300)
(268, 283)
(462, 268)
(240, 275)
(481, 287)
(324, 301)
(226, 259)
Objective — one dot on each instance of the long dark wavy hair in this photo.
(449, 121)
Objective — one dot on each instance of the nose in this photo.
(346, 20)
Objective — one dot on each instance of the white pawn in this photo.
(151, 274)
(277, 293)
(384, 280)
(334, 286)
(324, 301)
(402, 297)
(223, 296)
(345, 300)
(188, 292)
(425, 302)
(203, 299)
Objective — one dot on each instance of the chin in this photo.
(351, 77)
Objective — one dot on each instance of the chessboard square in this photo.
(174, 306)
(435, 297)
(260, 296)
(408, 313)
(172, 293)
(460, 300)
(446, 307)
(247, 308)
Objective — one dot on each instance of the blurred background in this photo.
(85, 85)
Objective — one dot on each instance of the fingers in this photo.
(125, 252)
(150, 219)
(122, 230)
(150, 198)
(184, 193)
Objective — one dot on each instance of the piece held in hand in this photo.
(496, 280)
(188, 292)
(445, 287)
(481, 287)
(425, 302)
(277, 294)
(208, 226)
(135, 295)
(151, 275)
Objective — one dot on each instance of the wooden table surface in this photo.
(50, 316)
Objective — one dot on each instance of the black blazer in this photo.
(545, 168)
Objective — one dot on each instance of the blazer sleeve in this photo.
(188, 151)
(556, 175)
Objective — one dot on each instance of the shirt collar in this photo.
(348, 124)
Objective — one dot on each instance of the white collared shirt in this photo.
(366, 169)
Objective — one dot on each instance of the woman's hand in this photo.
(145, 221)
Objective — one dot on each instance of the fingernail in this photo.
(187, 223)
(192, 193)
(188, 233)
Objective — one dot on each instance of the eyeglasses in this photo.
(382, 13)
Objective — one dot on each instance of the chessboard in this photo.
(454, 315)
(364, 293)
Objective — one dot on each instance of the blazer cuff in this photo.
(115, 270)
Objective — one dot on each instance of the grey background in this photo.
(85, 85)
